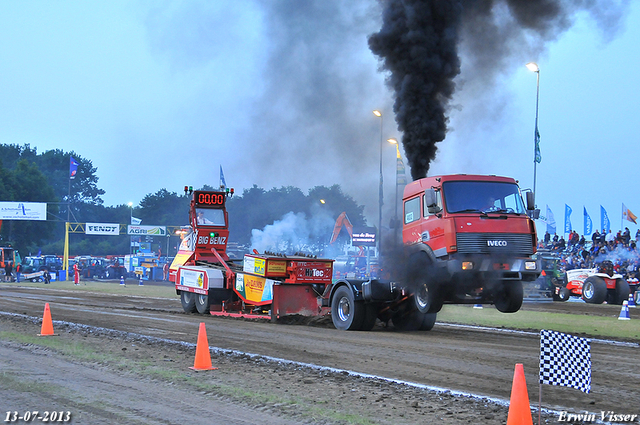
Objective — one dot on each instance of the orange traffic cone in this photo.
(519, 408)
(47, 325)
(203, 356)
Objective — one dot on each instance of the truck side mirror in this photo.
(531, 200)
(431, 201)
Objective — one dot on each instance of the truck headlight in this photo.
(467, 265)
(530, 265)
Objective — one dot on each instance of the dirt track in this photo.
(460, 359)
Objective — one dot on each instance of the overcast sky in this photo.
(160, 94)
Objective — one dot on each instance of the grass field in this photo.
(132, 287)
(576, 324)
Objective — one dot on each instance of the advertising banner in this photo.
(255, 289)
(147, 230)
(364, 236)
(102, 229)
(23, 211)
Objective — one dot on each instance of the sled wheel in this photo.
(508, 298)
(594, 290)
(202, 303)
(346, 313)
(188, 300)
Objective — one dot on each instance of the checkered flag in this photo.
(565, 360)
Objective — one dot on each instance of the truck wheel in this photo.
(508, 298)
(346, 313)
(188, 300)
(594, 290)
(370, 317)
(421, 279)
(202, 303)
(621, 293)
(413, 320)
(428, 321)
(426, 298)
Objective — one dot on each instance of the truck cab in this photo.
(471, 240)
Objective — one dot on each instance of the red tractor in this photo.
(603, 285)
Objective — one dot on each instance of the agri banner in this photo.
(102, 229)
(146, 230)
(254, 289)
(23, 211)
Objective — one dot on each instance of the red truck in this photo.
(456, 250)
(470, 240)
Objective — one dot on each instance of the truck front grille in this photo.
(516, 245)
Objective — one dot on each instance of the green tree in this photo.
(82, 189)
(28, 184)
(11, 154)
(164, 208)
(257, 208)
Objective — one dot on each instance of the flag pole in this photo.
(539, 402)
(65, 257)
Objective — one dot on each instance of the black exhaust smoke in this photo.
(418, 45)
(419, 41)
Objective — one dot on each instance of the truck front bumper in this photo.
(494, 268)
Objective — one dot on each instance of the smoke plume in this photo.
(294, 232)
(420, 41)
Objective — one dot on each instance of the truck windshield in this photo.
(485, 197)
(209, 216)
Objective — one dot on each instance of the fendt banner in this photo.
(102, 229)
(23, 211)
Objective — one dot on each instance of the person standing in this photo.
(165, 271)
(47, 276)
(8, 271)
(76, 274)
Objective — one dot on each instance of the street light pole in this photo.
(130, 222)
(395, 200)
(532, 66)
(378, 114)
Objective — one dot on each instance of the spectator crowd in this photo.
(579, 253)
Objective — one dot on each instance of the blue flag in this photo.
(73, 168)
(606, 224)
(538, 158)
(567, 218)
(551, 222)
(588, 224)
(223, 183)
